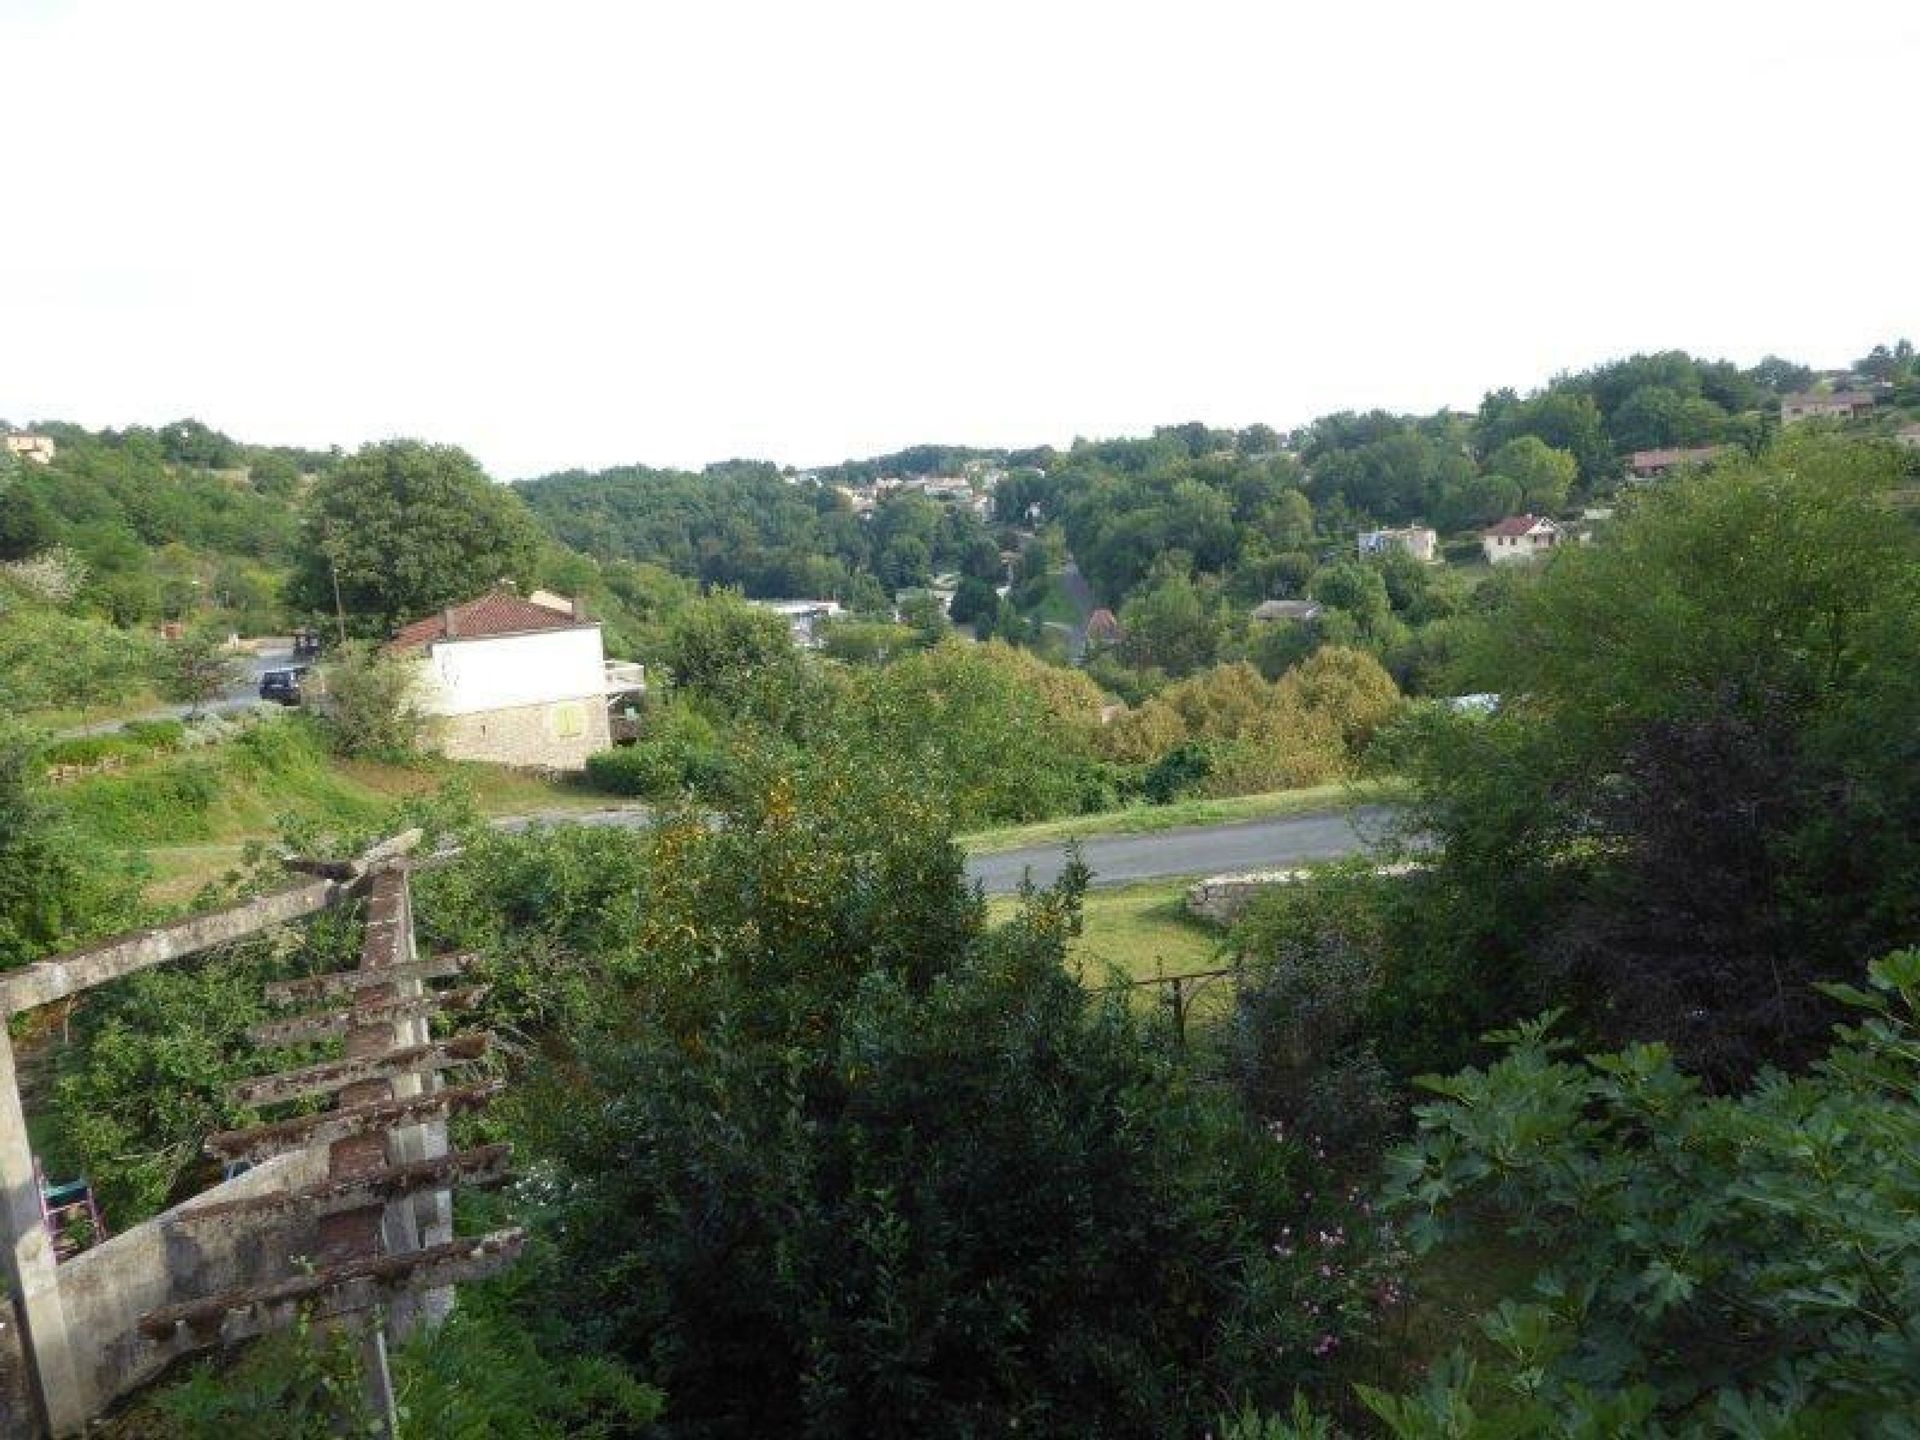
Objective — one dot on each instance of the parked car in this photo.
(283, 686)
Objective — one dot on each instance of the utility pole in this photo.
(339, 610)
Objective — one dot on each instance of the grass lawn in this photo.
(192, 814)
(124, 706)
(1146, 819)
(1143, 930)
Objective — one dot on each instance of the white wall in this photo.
(501, 672)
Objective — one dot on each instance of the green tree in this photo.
(372, 702)
(197, 669)
(56, 886)
(1544, 475)
(1689, 809)
(407, 529)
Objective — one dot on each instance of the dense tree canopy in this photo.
(408, 528)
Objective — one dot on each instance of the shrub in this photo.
(1744, 1263)
(1301, 1047)
(372, 708)
(679, 752)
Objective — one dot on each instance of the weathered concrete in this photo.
(55, 979)
(1223, 899)
(105, 1290)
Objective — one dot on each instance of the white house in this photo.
(517, 681)
(38, 448)
(1520, 537)
(1419, 541)
(806, 619)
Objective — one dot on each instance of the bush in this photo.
(90, 750)
(1302, 1047)
(372, 709)
(1745, 1264)
(155, 735)
(678, 753)
(1181, 771)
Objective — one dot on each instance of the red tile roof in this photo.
(498, 612)
(1516, 525)
(1661, 459)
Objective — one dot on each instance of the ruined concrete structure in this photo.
(347, 1211)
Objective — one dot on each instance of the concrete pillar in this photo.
(30, 1266)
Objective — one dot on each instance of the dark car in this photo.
(282, 686)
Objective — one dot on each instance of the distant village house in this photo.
(806, 619)
(1909, 436)
(517, 680)
(39, 449)
(1419, 541)
(1520, 538)
(1658, 464)
(1834, 405)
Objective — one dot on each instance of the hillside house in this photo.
(1909, 436)
(40, 449)
(1419, 541)
(1833, 405)
(1103, 627)
(1658, 464)
(517, 681)
(806, 619)
(1520, 538)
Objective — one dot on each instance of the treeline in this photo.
(745, 525)
(986, 733)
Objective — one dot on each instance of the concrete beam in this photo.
(481, 1167)
(335, 1290)
(50, 980)
(349, 982)
(257, 1142)
(324, 1024)
(333, 1075)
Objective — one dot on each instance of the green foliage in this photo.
(145, 1078)
(56, 884)
(736, 657)
(846, 1162)
(50, 659)
(196, 668)
(1692, 804)
(679, 752)
(1304, 1047)
(1751, 1255)
(408, 529)
(372, 704)
(304, 1383)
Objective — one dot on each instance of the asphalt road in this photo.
(1196, 850)
(1118, 859)
(238, 696)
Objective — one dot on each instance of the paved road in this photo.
(1118, 859)
(1196, 850)
(240, 695)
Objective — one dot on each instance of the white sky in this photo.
(590, 234)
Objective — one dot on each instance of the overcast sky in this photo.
(589, 234)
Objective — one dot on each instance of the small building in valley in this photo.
(1419, 541)
(517, 680)
(1830, 405)
(1520, 538)
(1909, 436)
(1658, 464)
(40, 449)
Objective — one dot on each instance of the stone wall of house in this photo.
(557, 735)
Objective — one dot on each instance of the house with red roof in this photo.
(1520, 538)
(517, 680)
(1658, 464)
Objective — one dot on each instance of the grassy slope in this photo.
(1147, 819)
(192, 815)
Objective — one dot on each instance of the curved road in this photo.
(1195, 850)
(1120, 859)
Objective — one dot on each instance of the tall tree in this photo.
(408, 528)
